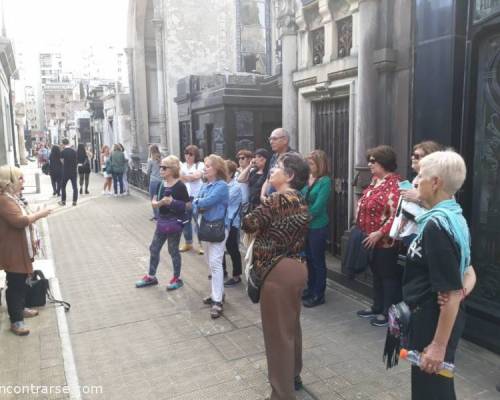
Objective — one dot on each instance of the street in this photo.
(129, 343)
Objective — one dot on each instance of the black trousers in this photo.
(55, 179)
(84, 176)
(65, 180)
(233, 248)
(387, 276)
(15, 295)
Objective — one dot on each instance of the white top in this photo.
(193, 187)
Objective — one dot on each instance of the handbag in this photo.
(212, 231)
(39, 291)
(46, 168)
(169, 225)
(397, 332)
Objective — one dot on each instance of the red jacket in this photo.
(377, 207)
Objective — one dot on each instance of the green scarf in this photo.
(448, 215)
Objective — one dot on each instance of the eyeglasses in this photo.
(371, 160)
(273, 138)
(242, 158)
(416, 156)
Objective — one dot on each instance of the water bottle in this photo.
(447, 369)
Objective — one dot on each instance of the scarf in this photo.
(448, 215)
(30, 231)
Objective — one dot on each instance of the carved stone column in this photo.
(330, 31)
(133, 121)
(288, 35)
(366, 135)
(162, 98)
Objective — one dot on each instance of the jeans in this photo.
(84, 177)
(153, 186)
(387, 275)
(65, 180)
(55, 180)
(316, 264)
(233, 248)
(189, 227)
(214, 252)
(15, 295)
(159, 240)
(117, 179)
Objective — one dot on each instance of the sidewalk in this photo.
(150, 344)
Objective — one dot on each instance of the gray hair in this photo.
(448, 166)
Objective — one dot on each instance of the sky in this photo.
(66, 26)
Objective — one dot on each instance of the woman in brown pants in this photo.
(280, 224)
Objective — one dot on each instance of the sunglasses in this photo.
(371, 160)
(242, 158)
(164, 167)
(416, 156)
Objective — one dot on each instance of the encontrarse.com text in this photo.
(42, 389)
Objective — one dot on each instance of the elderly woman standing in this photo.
(212, 203)
(376, 211)
(280, 225)
(17, 246)
(437, 261)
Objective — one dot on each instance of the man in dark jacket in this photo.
(69, 171)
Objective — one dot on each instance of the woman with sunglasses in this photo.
(170, 199)
(376, 211)
(18, 245)
(191, 175)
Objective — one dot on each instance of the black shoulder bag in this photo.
(39, 291)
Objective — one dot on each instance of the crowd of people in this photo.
(279, 200)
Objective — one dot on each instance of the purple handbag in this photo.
(168, 225)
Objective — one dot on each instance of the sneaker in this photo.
(146, 281)
(232, 281)
(366, 313)
(380, 321)
(185, 247)
(216, 310)
(175, 283)
(200, 251)
(61, 203)
(297, 382)
(29, 313)
(19, 328)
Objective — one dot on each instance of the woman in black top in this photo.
(55, 170)
(254, 176)
(437, 264)
(83, 160)
(171, 198)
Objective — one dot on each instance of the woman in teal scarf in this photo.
(437, 262)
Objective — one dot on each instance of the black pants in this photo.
(55, 179)
(233, 248)
(84, 176)
(117, 180)
(387, 275)
(65, 180)
(15, 295)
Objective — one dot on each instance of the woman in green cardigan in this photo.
(317, 194)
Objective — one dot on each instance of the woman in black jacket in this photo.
(55, 170)
(83, 160)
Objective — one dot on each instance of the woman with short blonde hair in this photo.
(174, 164)
(18, 245)
(437, 262)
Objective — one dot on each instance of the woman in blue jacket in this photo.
(212, 202)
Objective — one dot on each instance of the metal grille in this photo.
(332, 135)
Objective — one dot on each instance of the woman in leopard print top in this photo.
(280, 224)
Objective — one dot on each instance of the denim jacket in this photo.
(233, 209)
(212, 200)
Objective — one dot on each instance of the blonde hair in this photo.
(319, 158)
(154, 152)
(219, 164)
(174, 164)
(9, 176)
(448, 166)
(231, 167)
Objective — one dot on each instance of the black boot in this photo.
(313, 301)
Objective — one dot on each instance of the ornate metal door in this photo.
(485, 218)
(331, 129)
